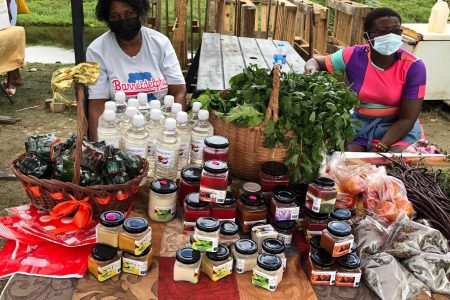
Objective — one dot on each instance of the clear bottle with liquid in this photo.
(156, 104)
(167, 151)
(438, 17)
(201, 130)
(126, 123)
(134, 102)
(143, 108)
(121, 105)
(280, 54)
(176, 107)
(136, 138)
(185, 139)
(108, 131)
(154, 128)
(167, 107)
(193, 118)
(109, 105)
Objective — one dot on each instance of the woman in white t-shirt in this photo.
(133, 59)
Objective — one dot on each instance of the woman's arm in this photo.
(315, 64)
(96, 107)
(178, 91)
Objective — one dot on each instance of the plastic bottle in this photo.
(167, 151)
(121, 105)
(185, 138)
(108, 131)
(126, 123)
(156, 104)
(143, 108)
(280, 54)
(193, 118)
(136, 138)
(167, 107)
(438, 17)
(201, 130)
(154, 128)
(109, 105)
(176, 107)
(133, 102)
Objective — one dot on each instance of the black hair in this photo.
(379, 13)
(103, 6)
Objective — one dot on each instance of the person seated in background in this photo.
(390, 83)
(132, 58)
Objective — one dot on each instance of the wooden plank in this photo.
(264, 11)
(344, 6)
(294, 60)
(180, 36)
(248, 15)
(210, 74)
(226, 18)
(251, 53)
(233, 62)
(267, 48)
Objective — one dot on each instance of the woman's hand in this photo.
(315, 64)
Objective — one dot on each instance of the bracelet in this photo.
(382, 147)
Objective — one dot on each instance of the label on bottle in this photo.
(265, 281)
(286, 213)
(108, 271)
(184, 150)
(166, 158)
(279, 58)
(342, 248)
(347, 279)
(141, 245)
(263, 230)
(139, 151)
(165, 213)
(152, 147)
(248, 224)
(319, 205)
(212, 195)
(134, 267)
(188, 227)
(113, 143)
(322, 277)
(197, 146)
(222, 270)
(240, 265)
(285, 238)
(205, 243)
(284, 263)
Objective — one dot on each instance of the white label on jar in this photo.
(139, 151)
(342, 248)
(212, 195)
(265, 281)
(248, 224)
(184, 149)
(222, 270)
(286, 213)
(196, 275)
(134, 266)
(188, 226)
(114, 143)
(152, 147)
(197, 146)
(284, 263)
(312, 202)
(263, 230)
(310, 233)
(165, 158)
(285, 238)
(205, 243)
(141, 245)
(108, 271)
(348, 279)
(232, 220)
(165, 213)
(322, 277)
(240, 265)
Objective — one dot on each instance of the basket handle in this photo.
(81, 131)
(272, 109)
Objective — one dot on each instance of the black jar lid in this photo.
(222, 253)
(216, 166)
(314, 242)
(354, 247)
(269, 262)
(324, 181)
(316, 216)
(252, 200)
(273, 246)
(191, 173)
(251, 188)
(283, 196)
(164, 186)
(350, 261)
(102, 252)
(341, 214)
(187, 255)
(229, 199)
(246, 246)
(146, 251)
(274, 168)
(228, 228)
(135, 225)
(112, 218)
(321, 258)
(192, 199)
(217, 142)
(284, 225)
(207, 224)
(339, 228)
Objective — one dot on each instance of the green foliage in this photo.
(244, 115)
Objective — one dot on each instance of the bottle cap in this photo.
(196, 106)
(133, 102)
(169, 100)
(324, 181)
(171, 124)
(187, 255)
(142, 98)
(138, 120)
(155, 104)
(191, 173)
(103, 252)
(130, 111)
(228, 228)
(203, 115)
(192, 200)
(246, 246)
(176, 107)
(155, 114)
(112, 218)
(110, 105)
(280, 44)
(163, 186)
(119, 97)
(109, 116)
(339, 228)
(269, 262)
(135, 225)
(182, 116)
(222, 254)
(273, 246)
(207, 224)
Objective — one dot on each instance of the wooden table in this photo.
(223, 56)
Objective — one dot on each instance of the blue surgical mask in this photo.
(387, 44)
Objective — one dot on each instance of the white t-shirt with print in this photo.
(151, 71)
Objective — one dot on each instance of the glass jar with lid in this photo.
(216, 148)
(348, 272)
(193, 210)
(187, 265)
(283, 206)
(337, 239)
(273, 173)
(225, 211)
(268, 271)
(314, 223)
(109, 228)
(136, 236)
(299, 191)
(229, 233)
(341, 214)
(189, 181)
(104, 262)
(214, 181)
(320, 268)
(314, 243)
(206, 234)
(321, 195)
(261, 233)
(162, 204)
(217, 265)
(137, 264)
(245, 253)
(274, 246)
(250, 188)
(250, 210)
(285, 230)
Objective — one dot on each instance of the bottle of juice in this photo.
(153, 128)
(167, 151)
(126, 123)
(143, 104)
(109, 105)
(185, 138)
(193, 118)
(201, 130)
(136, 138)
(108, 130)
(166, 110)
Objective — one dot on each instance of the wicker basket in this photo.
(246, 151)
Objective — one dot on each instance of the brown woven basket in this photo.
(246, 151)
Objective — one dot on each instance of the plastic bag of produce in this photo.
(64, 167)
(370, 236)
(41, 144)
(132, 163)
(93, 156)
(32, 165)
(89, 178)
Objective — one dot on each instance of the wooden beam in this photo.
(248, 16)
(179, 35)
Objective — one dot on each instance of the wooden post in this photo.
(79, 44)
(248, 19)
(179, 36)
(219, 16)
(81, 131)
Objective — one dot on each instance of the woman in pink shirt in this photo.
(390, 83)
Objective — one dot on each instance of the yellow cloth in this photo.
(22, 7)
(12, 48)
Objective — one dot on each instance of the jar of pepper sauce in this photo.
(193, 210)
(214, 181)
(189, 182)
(272, 174)
(216, 148)
(225, 211)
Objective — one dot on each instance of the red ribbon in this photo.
(83, 215)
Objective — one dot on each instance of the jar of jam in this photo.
(272, 174)
(214, 181)
(217, 265)
(193, 210)
(268, 271)
(321, 195)
(216, 148)
(285, 230)
(104, 262)
(341, 214)
(299, 191)
(136, 236)
(229, 233)
(226, 210)
(348, 272)
(320, 268)
(337, 239)
(187, 265)
(245, 253)
(274, 246)
(250, 210)
(283, 206)
(109, 228)
(137, 264)
(250, 188)
(315, 223)
(162, 204)
(189, 182)
(206, 234)
(314, 243)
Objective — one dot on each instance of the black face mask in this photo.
(126, 28)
